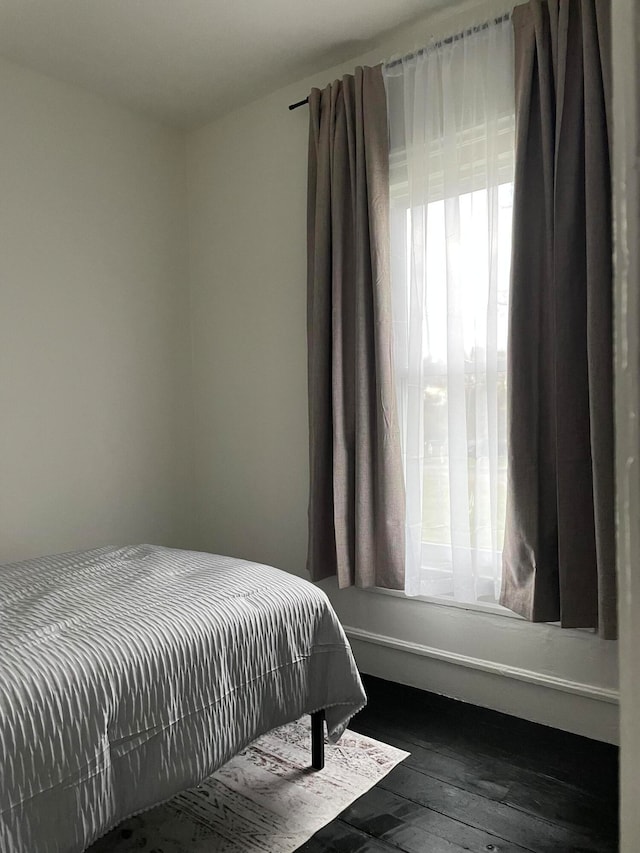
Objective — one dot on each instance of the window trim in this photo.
(486, 607)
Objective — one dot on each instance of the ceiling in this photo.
(187, 61)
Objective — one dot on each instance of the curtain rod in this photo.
(298, 104)
(448, 40)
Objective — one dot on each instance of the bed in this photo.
(130, 674)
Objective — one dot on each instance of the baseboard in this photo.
(584, 709)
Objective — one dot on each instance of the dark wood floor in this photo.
(476, 780)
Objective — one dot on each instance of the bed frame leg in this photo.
(317, 740)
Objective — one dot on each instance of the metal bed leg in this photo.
(317, 740)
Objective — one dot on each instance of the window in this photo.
(451, 114)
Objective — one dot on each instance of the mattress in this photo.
(129, 674)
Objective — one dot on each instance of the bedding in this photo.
(129, 674)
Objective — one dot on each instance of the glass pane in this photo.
(464, 381)
(436, 522)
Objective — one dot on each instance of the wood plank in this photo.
(339, 837)
(456, 728)
(496, 818)
(414, 828)
(503, 781)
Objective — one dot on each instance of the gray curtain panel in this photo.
(356, 501)
(559, 551)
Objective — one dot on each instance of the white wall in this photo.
(626, 156)
(94, 340)
(247, 211)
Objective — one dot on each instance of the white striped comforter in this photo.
(128, 675)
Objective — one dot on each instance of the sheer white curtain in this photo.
(451, 119)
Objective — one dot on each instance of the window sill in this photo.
(489, 607)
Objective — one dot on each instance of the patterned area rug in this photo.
(265, 800)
